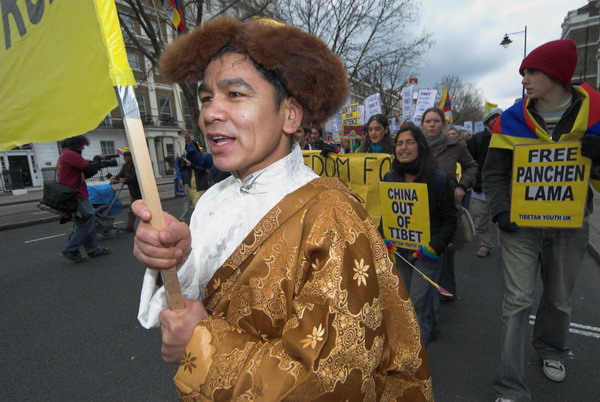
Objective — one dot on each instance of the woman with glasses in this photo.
(413, 163)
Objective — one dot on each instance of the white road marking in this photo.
(62, 234)
(579, 329)
(45, 238)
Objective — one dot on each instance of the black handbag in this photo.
(60, 197)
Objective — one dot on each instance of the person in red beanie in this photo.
(562, 112)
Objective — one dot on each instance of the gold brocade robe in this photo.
(309, 306)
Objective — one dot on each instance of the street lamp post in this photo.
(506, 41)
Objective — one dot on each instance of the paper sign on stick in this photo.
(372, 106)
(469, 127)
(405, 214)
(407, 102)
(350, 115)
(549, 185)
(425, 100)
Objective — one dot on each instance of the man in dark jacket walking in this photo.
(478, 147)
(554, 111)
(72, 170)
(127, 175)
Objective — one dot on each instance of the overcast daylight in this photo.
(467, 38)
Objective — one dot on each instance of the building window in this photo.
(128, 21)
(107, 147)
(156, 28)
(165, 108)
(187, 114)
(107, 122)
(141, 100)
(134, 61)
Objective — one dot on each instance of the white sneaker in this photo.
(504, 400)
(554, 370)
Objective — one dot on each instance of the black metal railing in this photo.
(12, 179)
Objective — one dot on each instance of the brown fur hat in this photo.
(309, 71)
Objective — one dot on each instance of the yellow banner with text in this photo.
(362, 172)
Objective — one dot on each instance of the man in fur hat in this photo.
(554, 110)
(290, 290)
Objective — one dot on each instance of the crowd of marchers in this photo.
(280, 268)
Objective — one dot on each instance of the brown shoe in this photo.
(483, 252)
(76, 258)
(98, 252)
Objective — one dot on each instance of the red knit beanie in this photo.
(556, 59)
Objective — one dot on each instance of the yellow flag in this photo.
(489, 106)
(57, 63)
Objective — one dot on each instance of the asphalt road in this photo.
(69, 331)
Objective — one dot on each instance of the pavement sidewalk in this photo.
(34, 194)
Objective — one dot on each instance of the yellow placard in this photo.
(405, 214)
(350, 115)
(362, 172)
(549, 185)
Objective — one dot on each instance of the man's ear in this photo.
(293, 115)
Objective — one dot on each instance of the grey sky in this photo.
(468, 35)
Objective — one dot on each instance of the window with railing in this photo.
(166, 116)
(107, 122)
(141, 100)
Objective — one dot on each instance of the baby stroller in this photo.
(106, 202)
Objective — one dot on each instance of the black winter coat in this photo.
(478, 148)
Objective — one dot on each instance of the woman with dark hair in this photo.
(448, 152)
(315, 139)
(413, 163)
(378, 139)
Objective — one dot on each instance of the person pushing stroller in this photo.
(127, 176)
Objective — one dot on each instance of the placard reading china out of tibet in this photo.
(405, 214)
(549, 185)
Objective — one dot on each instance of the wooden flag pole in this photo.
(145, 175)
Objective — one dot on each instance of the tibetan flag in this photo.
(446, 105)
(413, 81)
(173, 10)
(353, 132)
(518, 126)
(60, 61)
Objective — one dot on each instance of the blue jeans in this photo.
(557, 255)
(85, 229)
(447, 275)
(424, 297)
